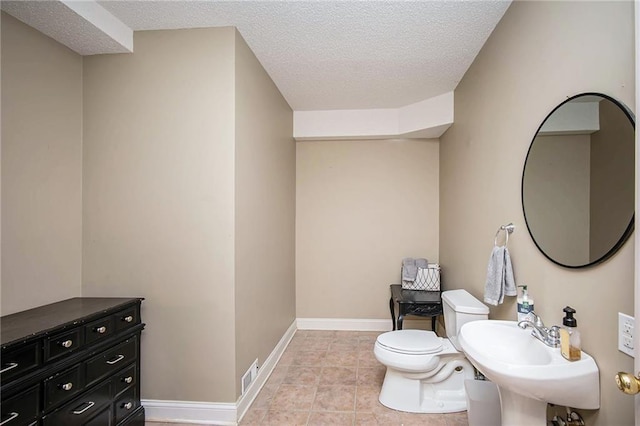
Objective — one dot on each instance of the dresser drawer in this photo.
(127, 318)
(21, 409)
(126, 404)
(20, 361)
(112, 360)
(102, 419)
(98, 330)
(125, 379)
(136, 419)
(82, 409)
(61, 344)
(63, 386)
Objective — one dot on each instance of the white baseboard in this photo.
(213, 413)
(203, 413)
(350, 324)
(246, 399)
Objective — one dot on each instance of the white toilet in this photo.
(426, 373)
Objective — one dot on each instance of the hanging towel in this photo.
(410, 268)
(500, 280)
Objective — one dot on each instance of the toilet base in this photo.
(442, 393)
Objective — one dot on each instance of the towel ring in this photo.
(508, 229)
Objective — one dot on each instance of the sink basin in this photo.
(528, 373)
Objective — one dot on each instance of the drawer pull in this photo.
(66, 386)
(67, 343)
(101, 330)
(116, 360)
(12, 416)
(128, 405)
(128, 318)
(89, 405)
(127, 380)
(10, 366)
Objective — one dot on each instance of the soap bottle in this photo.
(570, 336)
(525, 303)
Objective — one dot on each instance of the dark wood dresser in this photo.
(75, 362)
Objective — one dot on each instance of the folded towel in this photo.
(410, 268)
(500, 280)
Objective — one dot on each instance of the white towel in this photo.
(500, 280)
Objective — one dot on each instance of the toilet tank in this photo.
(460, 307)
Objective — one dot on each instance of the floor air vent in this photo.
(249, 376)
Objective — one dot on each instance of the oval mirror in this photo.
(578, 182)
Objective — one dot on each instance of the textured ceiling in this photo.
(59, 22)
(322, 55)
(326, 55)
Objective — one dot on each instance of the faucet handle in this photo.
(534, 318)
(554, 336)
(554, 332)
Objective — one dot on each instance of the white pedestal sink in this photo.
(528, 373)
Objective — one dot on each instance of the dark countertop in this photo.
(38, 321)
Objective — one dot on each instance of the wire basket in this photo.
(427, 279)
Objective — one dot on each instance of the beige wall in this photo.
(158, 214)
(539, 54)
(41, 169)
(162, 177)
(361, 206)
(557, 194)
(158, 201)
(264, 212)
(613, 183)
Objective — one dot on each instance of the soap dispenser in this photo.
(525, 303)
(570, 336)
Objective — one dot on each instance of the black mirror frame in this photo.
(630, 227)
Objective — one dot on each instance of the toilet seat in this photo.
(410, 342)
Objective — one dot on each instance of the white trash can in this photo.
(483, 403)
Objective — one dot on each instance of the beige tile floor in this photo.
(332, 378)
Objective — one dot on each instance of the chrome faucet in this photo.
(548, 336)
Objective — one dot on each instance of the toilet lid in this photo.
(417, 342)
